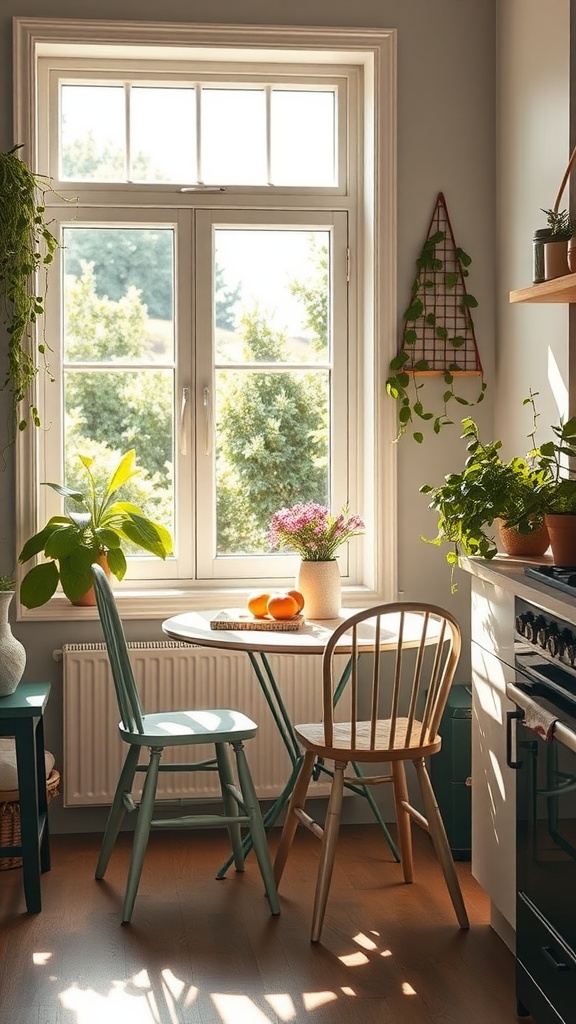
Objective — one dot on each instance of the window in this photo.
(213, 304)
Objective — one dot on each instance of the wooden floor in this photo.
(205, 951)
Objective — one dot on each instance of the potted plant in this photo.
(561, 228)
(93, 529)
(488, 490)
(556, 492)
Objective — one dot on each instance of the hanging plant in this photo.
(438, 337)
(27, 248)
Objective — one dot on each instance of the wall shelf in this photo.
(559, 289)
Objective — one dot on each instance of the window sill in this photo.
(163, 602)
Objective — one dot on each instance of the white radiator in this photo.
(176, 676)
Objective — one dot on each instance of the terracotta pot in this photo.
(88, 600)
(562, 530)
(515, 543)
(572, 255)
(555, 259)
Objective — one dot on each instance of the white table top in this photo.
(311, 638)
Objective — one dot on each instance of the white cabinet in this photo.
(493, 783)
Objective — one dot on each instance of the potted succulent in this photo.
(488, 491)
(561, 228)
(93, 529)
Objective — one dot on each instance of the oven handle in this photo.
(510, 717)
(563, 732)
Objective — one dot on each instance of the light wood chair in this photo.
(217, 726)
(394, 700)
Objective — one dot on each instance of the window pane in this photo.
(233, 136)
(118, 294)
(162, 134)
(272, 451)
(107, 413)
(278, 280)
(303, 143)
(92, 133)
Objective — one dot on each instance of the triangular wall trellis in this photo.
(438, 327)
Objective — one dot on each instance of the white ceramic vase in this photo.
(12, 652)
(319, 584)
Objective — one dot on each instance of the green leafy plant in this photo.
(7, 583)
(97, 524)
(486, 489)
(406, 380)
(561, 225)
(520, 492)
(27, 246)
(557, 491)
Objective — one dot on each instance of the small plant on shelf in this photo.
(561, 225)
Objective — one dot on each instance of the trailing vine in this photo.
(438, 335)
(27, 248)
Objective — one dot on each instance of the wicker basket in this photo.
(10, 818)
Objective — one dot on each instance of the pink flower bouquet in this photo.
(313, 531)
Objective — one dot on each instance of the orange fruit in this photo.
(282, 606)
(257, 603)
(297, 597)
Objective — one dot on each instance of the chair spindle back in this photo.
(127, 695)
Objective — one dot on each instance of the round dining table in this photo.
(215, 628)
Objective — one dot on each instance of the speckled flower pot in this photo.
(319, 584)
(12, 652)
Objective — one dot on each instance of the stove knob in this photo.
(571, 653)
(553, 645)
(533, 629)
(521, 623)
(542, 637)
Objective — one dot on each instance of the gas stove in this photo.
(561, 577)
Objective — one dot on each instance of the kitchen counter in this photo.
(508, 574)
(494, 586)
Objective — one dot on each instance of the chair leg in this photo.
(117, 810)
(257, 830)
(328, 851)
(403, 819)
(230, 805)
(141, 833)
(297, 799)
(440, 840)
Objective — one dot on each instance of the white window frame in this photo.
(371, 53)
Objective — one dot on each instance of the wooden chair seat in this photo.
(311, 737)
(395, 694)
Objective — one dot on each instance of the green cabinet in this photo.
(451, 771)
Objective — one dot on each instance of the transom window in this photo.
(213, 133)
(211, 302)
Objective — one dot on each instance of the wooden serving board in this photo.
(235, 619)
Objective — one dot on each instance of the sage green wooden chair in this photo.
(222, 727)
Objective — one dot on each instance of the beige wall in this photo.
(533, 147)
(446, 142)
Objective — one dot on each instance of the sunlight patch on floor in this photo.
(238, 1009)
(283, 1006)
(312, 1000)
(116, 1007)
(41, 959)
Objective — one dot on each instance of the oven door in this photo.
(545, 859)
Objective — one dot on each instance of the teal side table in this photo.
(21, 716)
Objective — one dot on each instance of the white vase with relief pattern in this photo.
(12, 652)
(319, 584)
